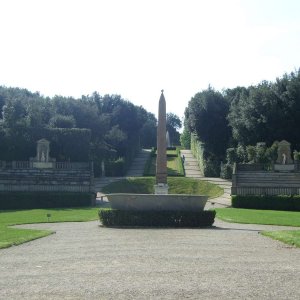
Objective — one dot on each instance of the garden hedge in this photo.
(29, 200)
(290, 203)
(113, 217)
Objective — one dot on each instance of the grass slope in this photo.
(291, 237)
(266, 217)
(14, 236)
(253, 216)
(177, 185)
(174, 164)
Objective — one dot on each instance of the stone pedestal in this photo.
(161, 189)
(43, 165)
(284, 168)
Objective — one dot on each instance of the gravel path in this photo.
(85, 261)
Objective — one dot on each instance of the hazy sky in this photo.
(135, 48)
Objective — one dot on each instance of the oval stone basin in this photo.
(147, 202)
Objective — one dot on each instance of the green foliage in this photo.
(208, 163)
(296, 155)
(231, 155)
(117, 128)
(226, 171)
(250, 154)
(177, 185)
(291, 203)
(173, 123)
(112, 217)
(115, 167)
(185, 138)
(266, 112)
(27, 200)
(61, 121)
(254, 216)
(241, 154)
(290, 237)
(174, 163)
(148, 133)
(65, 145)
(206, 116)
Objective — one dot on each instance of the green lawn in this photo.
(13, 236)
(177, 185)
(174, 165)
(253, 216)
(267, 217)
(291, 237)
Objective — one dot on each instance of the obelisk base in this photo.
(161, 189)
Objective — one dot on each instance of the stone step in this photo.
(138, 165)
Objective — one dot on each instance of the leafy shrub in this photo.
(62, 121)
(112, 217)
(231, 155)
(64, 143)
(209, 165)
(251, 153)
(291, 203)
(226, 171)
(28, 200)
(296, 155)
(115, 167)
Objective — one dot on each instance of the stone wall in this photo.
(253, 180)
(63, 177)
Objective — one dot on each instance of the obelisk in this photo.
(161, 186)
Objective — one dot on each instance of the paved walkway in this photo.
(192, 170)
(85, 261)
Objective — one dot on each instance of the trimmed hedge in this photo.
(115, 167)
(28, 200)
(290, 203)
(64, 143)
(113, 217)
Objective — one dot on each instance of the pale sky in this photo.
(135, 48)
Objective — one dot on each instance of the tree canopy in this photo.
(206, 116)
(266, 112)
(117, 127)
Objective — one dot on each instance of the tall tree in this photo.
(206, 116)
(173, 125)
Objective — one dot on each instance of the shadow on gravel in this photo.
(178, 228)
(235, 229)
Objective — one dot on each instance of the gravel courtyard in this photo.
(85, 261)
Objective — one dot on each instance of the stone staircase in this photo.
(136, 170)
(138, 165)
(192, 170)
(191, 165)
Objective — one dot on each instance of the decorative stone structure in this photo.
(168, 139)
(161, 186)
(148, 202)
(284, 160)
(257, 179)
(284, 153)
(43, 174)
(43, 159)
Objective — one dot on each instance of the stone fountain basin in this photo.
(151, 202)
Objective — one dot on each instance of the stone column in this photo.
(161, 186)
